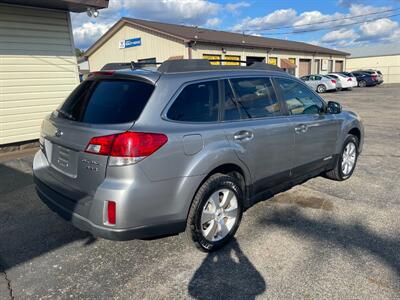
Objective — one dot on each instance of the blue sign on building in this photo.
(130, 43)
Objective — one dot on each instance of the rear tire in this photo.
(321, 88)
(346, 163)
(362, 83)
(215, 213)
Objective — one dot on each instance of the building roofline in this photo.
(66, 5)
(377, 55)
(123, 21)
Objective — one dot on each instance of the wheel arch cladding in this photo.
(230, 169)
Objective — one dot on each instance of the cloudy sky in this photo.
(340, 24)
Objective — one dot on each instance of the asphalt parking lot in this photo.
(322, 239)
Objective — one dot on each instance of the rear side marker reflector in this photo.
(126, 148)
(111, 212)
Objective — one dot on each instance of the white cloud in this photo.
(277, 18)
(213, 22)
(88, 33)
(339, 35)
(317, 19)
(195, 12)
(235, 7)
(378, 28)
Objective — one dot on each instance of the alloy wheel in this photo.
(349, 158)
(219, 215)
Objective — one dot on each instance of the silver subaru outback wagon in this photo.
(188, 147)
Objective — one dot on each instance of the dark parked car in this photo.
(374, 73)
(365, 79)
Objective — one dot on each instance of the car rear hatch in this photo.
(100, 106)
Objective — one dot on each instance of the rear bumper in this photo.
(60, 204)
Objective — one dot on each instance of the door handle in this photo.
(243, 135)
(301, 128)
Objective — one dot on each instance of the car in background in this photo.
(320, 83)
(365, 79)
(349, 74)
(343, 81)
(375, 74)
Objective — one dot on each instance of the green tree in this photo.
(79, 52)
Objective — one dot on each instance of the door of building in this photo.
(339, 66)
(304, 67)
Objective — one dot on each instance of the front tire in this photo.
(215, 213)
(321, 88)
(346, 163)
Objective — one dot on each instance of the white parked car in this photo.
(351, 75)
(343, 81)
(320, 83)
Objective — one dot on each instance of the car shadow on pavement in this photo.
(28, 228)
(227, 274)
(348, 237)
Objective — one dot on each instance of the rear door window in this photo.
(197, 102)
(255, 97)
(106, 101)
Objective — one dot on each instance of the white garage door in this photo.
(37, 68)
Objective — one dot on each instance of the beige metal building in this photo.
(38, 68)
(143, 41)
(389, 65)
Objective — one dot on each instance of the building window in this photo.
(288, 65)
(273, 61)
(252, 59)
(213, 57)
(233, 60)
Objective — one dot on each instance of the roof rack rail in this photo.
(190, 65)
(115, 66)
(128, 65)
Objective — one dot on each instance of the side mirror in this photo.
(333, 107)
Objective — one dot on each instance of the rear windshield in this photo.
(106, 101)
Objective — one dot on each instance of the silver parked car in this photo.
(139, 153)
(320, 83)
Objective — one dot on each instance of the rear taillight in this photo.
(101, 145)
(111, 212)
(374, 77)
(349, 79)
(333, 81)
(126, 148)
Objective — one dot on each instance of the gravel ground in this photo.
(322, 239)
